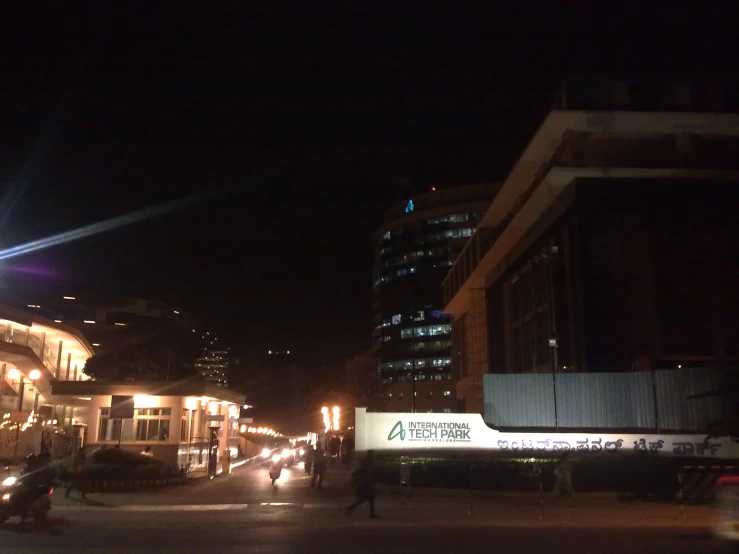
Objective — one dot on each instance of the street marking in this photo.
(155, 508)
(195, 507)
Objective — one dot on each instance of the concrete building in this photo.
(116, 323)
(48, 403)
(612, 244)
(418, 241)
(171, 417)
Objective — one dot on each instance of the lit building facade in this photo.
(611, 246)
(213, 367)
(413, 250)
(48, 403)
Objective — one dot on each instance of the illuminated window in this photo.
(400, 395)
(386, 235)
(458, 218)
(396, 319)
(419, 316)
(447, 393)
(447, 410)
(429, 394)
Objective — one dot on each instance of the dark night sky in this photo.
(311, 117)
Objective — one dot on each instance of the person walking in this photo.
(77, 474)
(364, 482)
(309, 453)
(563, 485)
(319, 467)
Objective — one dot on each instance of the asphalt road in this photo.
(241, 513)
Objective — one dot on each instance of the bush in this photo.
(118, 465)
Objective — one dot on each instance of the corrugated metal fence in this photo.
(641, 400)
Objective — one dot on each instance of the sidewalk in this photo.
(524, 509)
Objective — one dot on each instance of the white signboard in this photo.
(409, 431)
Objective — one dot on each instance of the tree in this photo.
(157, 351)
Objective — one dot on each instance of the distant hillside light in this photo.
(69, 298)
(175, 311)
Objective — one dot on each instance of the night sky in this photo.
(311, 119)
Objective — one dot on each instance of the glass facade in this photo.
(412, 336)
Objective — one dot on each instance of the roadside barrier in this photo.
(127, 484)
(698, 484)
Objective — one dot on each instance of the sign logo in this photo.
(409, 207)
(397, 431)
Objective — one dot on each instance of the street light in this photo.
(337, 415)
(326, 418)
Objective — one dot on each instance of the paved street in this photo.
(241, 513)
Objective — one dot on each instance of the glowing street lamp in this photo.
(35, 375)
(14, 374)
(337, 415)
(326, 418)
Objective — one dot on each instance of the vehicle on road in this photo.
(24, 496)
(275, 468)
(726, 525)
(282, 448)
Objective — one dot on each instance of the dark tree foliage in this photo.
(154, 352)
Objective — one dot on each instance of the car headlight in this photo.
(6, 497)
(266, 452)
(276, 458)
(9, 482)
(285, 453)
(302, 451)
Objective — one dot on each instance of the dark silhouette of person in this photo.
(319, 467)
(77, 478)
(364, 482)
(309, 458)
